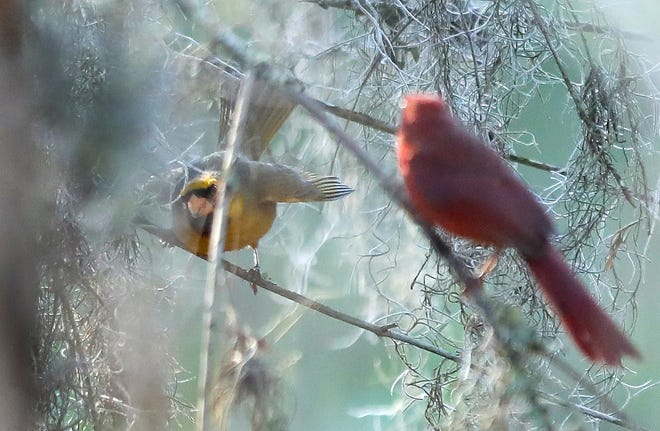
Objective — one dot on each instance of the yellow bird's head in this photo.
(200, 195)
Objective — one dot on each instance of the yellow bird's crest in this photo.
(202, 182)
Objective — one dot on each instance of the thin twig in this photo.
(382, 126)
(545, 31)
(255, 278)
(608, 30)
(536, 164)
(622, 422)
(621, 417)
(346, 4)
(359, 117)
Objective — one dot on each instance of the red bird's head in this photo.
(423, 116)
(421, 108)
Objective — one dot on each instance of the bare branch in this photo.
(358, 117)
(381, 331)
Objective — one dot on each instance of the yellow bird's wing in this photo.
(279, 183)
(268, 108)
(267, 111)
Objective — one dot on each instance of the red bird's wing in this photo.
(484, 203)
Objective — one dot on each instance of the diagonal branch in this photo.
(386, 331)
(255, 278)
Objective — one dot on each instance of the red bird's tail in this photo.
(592, 329)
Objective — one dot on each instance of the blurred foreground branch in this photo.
(214, 289)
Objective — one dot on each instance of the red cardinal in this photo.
(458, 183)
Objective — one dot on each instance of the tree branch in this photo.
(382, 331)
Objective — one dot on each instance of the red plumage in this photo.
(457, 182)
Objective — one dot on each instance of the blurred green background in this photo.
(642, 17)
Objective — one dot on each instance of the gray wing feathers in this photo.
(330, 187)
(280, 183)
(274, 183)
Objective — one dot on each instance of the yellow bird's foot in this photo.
(255, 272)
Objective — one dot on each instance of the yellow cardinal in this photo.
(256, 188)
